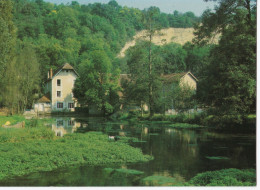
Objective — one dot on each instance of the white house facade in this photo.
(58, 91)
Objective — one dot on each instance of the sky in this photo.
(166, 6)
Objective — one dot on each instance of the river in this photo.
(179, 154)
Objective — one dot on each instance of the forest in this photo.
(36, 36)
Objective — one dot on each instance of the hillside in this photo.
(176, 35)
(165, 36)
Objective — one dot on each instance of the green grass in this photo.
(37, 149)
(35, 129)
(12, 119)
(161, 181)
(185, 125)
(225, 177)
(217, 158)
(129, 171)
(252, 116)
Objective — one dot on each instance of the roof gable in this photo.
(66, 66)
(46, 98)
(176, 77)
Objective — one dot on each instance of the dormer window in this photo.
(58, 82)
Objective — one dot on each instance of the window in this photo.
(59, 105)
(58, 93)
(59, 122)
(58, 82)
(71, 105)
(70, 122)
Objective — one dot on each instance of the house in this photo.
(185, 79)
(58, 91)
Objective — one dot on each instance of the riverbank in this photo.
(236, 123)
(36, 148)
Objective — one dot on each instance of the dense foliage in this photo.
(37, 149)
(54, 34)
(36, 36)
(225, 177)
(229, 81)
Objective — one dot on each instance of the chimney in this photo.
(51, 73)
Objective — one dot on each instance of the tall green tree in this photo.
(144, 81)
(97, 85)
(149, 16)
(28, 71)
(230, 84)
(7, 46)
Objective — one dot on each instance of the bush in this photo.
(133, 114)
(82, 110)
(225, 177)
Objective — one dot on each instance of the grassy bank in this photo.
(225, 122)
(33, 149)
(12, 119)
(186, 126)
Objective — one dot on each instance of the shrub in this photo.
(185, 125)
(133, 114)
(225, 177)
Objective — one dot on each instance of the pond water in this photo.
(179, 154)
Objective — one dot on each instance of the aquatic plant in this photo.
(185, 125)
(124, 171)
(217, 158)
(225, 177)
(161, 181)
(129, 171)
(39, 151)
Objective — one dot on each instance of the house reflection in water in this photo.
(64, 126)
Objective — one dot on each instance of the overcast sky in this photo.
(167, 6)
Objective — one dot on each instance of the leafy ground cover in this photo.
(12, 119)
(225, 177)
(185, 126)
(161, 181)
(35, 149)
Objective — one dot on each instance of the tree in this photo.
(7, 44)
(230, 84)
(99, 86)
(196, 58)
(182, 97)
(149, 17)
(173, 58)
(28, 71)
(217, 22)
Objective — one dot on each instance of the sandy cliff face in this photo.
(176, 35)
(164, 36)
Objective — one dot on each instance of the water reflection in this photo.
(178, 154)
(62, 126)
